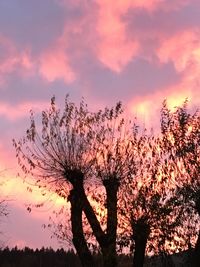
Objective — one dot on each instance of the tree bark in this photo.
(109, 253)
(92, 219)
(76, 179)
(107, 241)
(141, 233)
(77, 230)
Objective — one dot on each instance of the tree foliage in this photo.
(143, 185)
(181, 136)
(75, 147)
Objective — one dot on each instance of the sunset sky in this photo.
(136, 51)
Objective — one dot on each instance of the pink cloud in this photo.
(12, 59)
(115, 48)
(15, 112)
(183, 49)
(111, 41)
(54, 64)
(147, 108)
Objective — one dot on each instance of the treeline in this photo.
(44, 257)
(40, 257)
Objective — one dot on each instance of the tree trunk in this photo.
(141, 233)
(109, 253)
(107, 241)
(92, 219)
(76, 179)
(77, 230)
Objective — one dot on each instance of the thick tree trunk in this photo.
(107, 241)
(92, 219)
(77, 230)
(109, 253)
(141, 233)
(76, 179)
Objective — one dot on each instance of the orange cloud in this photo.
(23, 194)
(26, 192)
(147, 108)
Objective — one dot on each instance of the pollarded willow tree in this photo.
(73, 147)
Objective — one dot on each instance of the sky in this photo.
(136, 51)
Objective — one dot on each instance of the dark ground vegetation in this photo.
(60, 258)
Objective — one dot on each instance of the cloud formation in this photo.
(13, 60)
(114, 49)
(54, 64)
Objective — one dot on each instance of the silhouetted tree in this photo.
(74, 147)
(149, 208)
(181, 135)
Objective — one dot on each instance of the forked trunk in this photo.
(107, 241)
(141, 233)
(77, 230)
